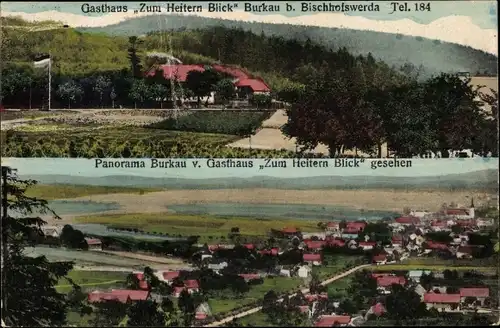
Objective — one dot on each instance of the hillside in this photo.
(394, 49)
(480, 180)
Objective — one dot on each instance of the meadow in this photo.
(90, 280)
(436, 264)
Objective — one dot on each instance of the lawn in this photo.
(202, 225)
(89, 280)
(277, 284)
(338, 288)
(335, 263)
(483, 265)
(26, 114)
(60, 191)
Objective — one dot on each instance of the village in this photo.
(382, 251)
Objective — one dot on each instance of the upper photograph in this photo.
(249, 79)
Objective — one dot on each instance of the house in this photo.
(464, 252)
(349, 235)
(335, 242)
(94, 244)
(192, 286)
(217, 265)
(134, 295)
(272, 251)
(202, 311)
(384, 283)
(442, 302)
(333, 320)
(314, 235)
(407, 220)
(436, 246)
(460, 213)
(357, 226)
(333, 226)
(290, 231)
(367, 245)
(416, 274)
(250, 276)
(479, 294)
(169, 276)
(397, 241)
(380, 259)
(315, 259)
(304, 271)
(52, 231)
(377, 310)
(96, 297)
(249, 246)
(143, 284)
(315, 245)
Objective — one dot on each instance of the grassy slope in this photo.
(91, 279)
(50, 192)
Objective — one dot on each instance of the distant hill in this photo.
(479, 180)
(394, 49)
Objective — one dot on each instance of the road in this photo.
(304, 291)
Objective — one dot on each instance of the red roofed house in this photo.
(480, 294)
(252, 86)
(384, 283)
(407, 220)
(192, 286)
(380, 259)
(134, 295)
(290, 231)
(442, 302)
(143, 284)
(272, 251)
(315, 297)
(397, 241)
(336, 242)
(333, 226)
(176, 72)
(377, 310)
(315, 244)
(94, 244)
(436, 246)
(96, 297)
(202, 311)
(333, 320)
(249, 246)
(312, 258)
(237, 73)
(169, 276)
(367, 245)
(355, 226)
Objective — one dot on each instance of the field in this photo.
(132, 135)
(277, 284)
(202, 225)
(51, 192)
(26, 114)
(487, 265)
(90, 280)
(335, 263)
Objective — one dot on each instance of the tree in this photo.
(139, 92)
(404, 304)
(132, 281)
(23, 276)
(145, 314)
(73, 238)
(108, 313)
(102, 86)
(112, 96)
(70, 91)
(187, 305)
(225, 90)
(202, 83)
(135, 61)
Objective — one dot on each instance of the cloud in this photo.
(455, 29)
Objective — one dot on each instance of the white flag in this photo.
(42, 62)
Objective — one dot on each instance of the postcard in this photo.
(249, 79)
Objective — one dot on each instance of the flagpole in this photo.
(50, 78)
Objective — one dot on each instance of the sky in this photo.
(472, 23)
(86, 167)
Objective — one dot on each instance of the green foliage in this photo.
(225, 90)
(29, 296)
(72, 238)
(224, 122)
(70, 91)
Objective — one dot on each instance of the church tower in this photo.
(472, 213)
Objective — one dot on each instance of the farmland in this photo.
(483, 265)
(59, 191)
(91, 280)
(131, 135)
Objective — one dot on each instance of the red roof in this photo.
(135, 295)
(93, 241)
(408, 220)
(304, 308)
(333, 224)
(170, 275)
(272, 251)
(474, 292)
(233, 71)
(456, 211)
(249, 276)
(367, 243)
(311, 257)
(379, 258)
(178, 72)
(289, 230)
(315, 244)
(178, 290)
(466, 222)
(99, 297)
(377, 275)
(249, 246)
(200, 316)
(357, 225)
(191, 284)
(256, 85)
(378, 309)
(397, 239)
(315, 297)
(139, 275)
(351, 230)
(330, 320)
(434, 245)
(336, 242)
(390, 280)
(143, 285)
(441, 298)
(441, 224)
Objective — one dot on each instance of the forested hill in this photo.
(394, 49)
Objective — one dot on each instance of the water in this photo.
(292, 211)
